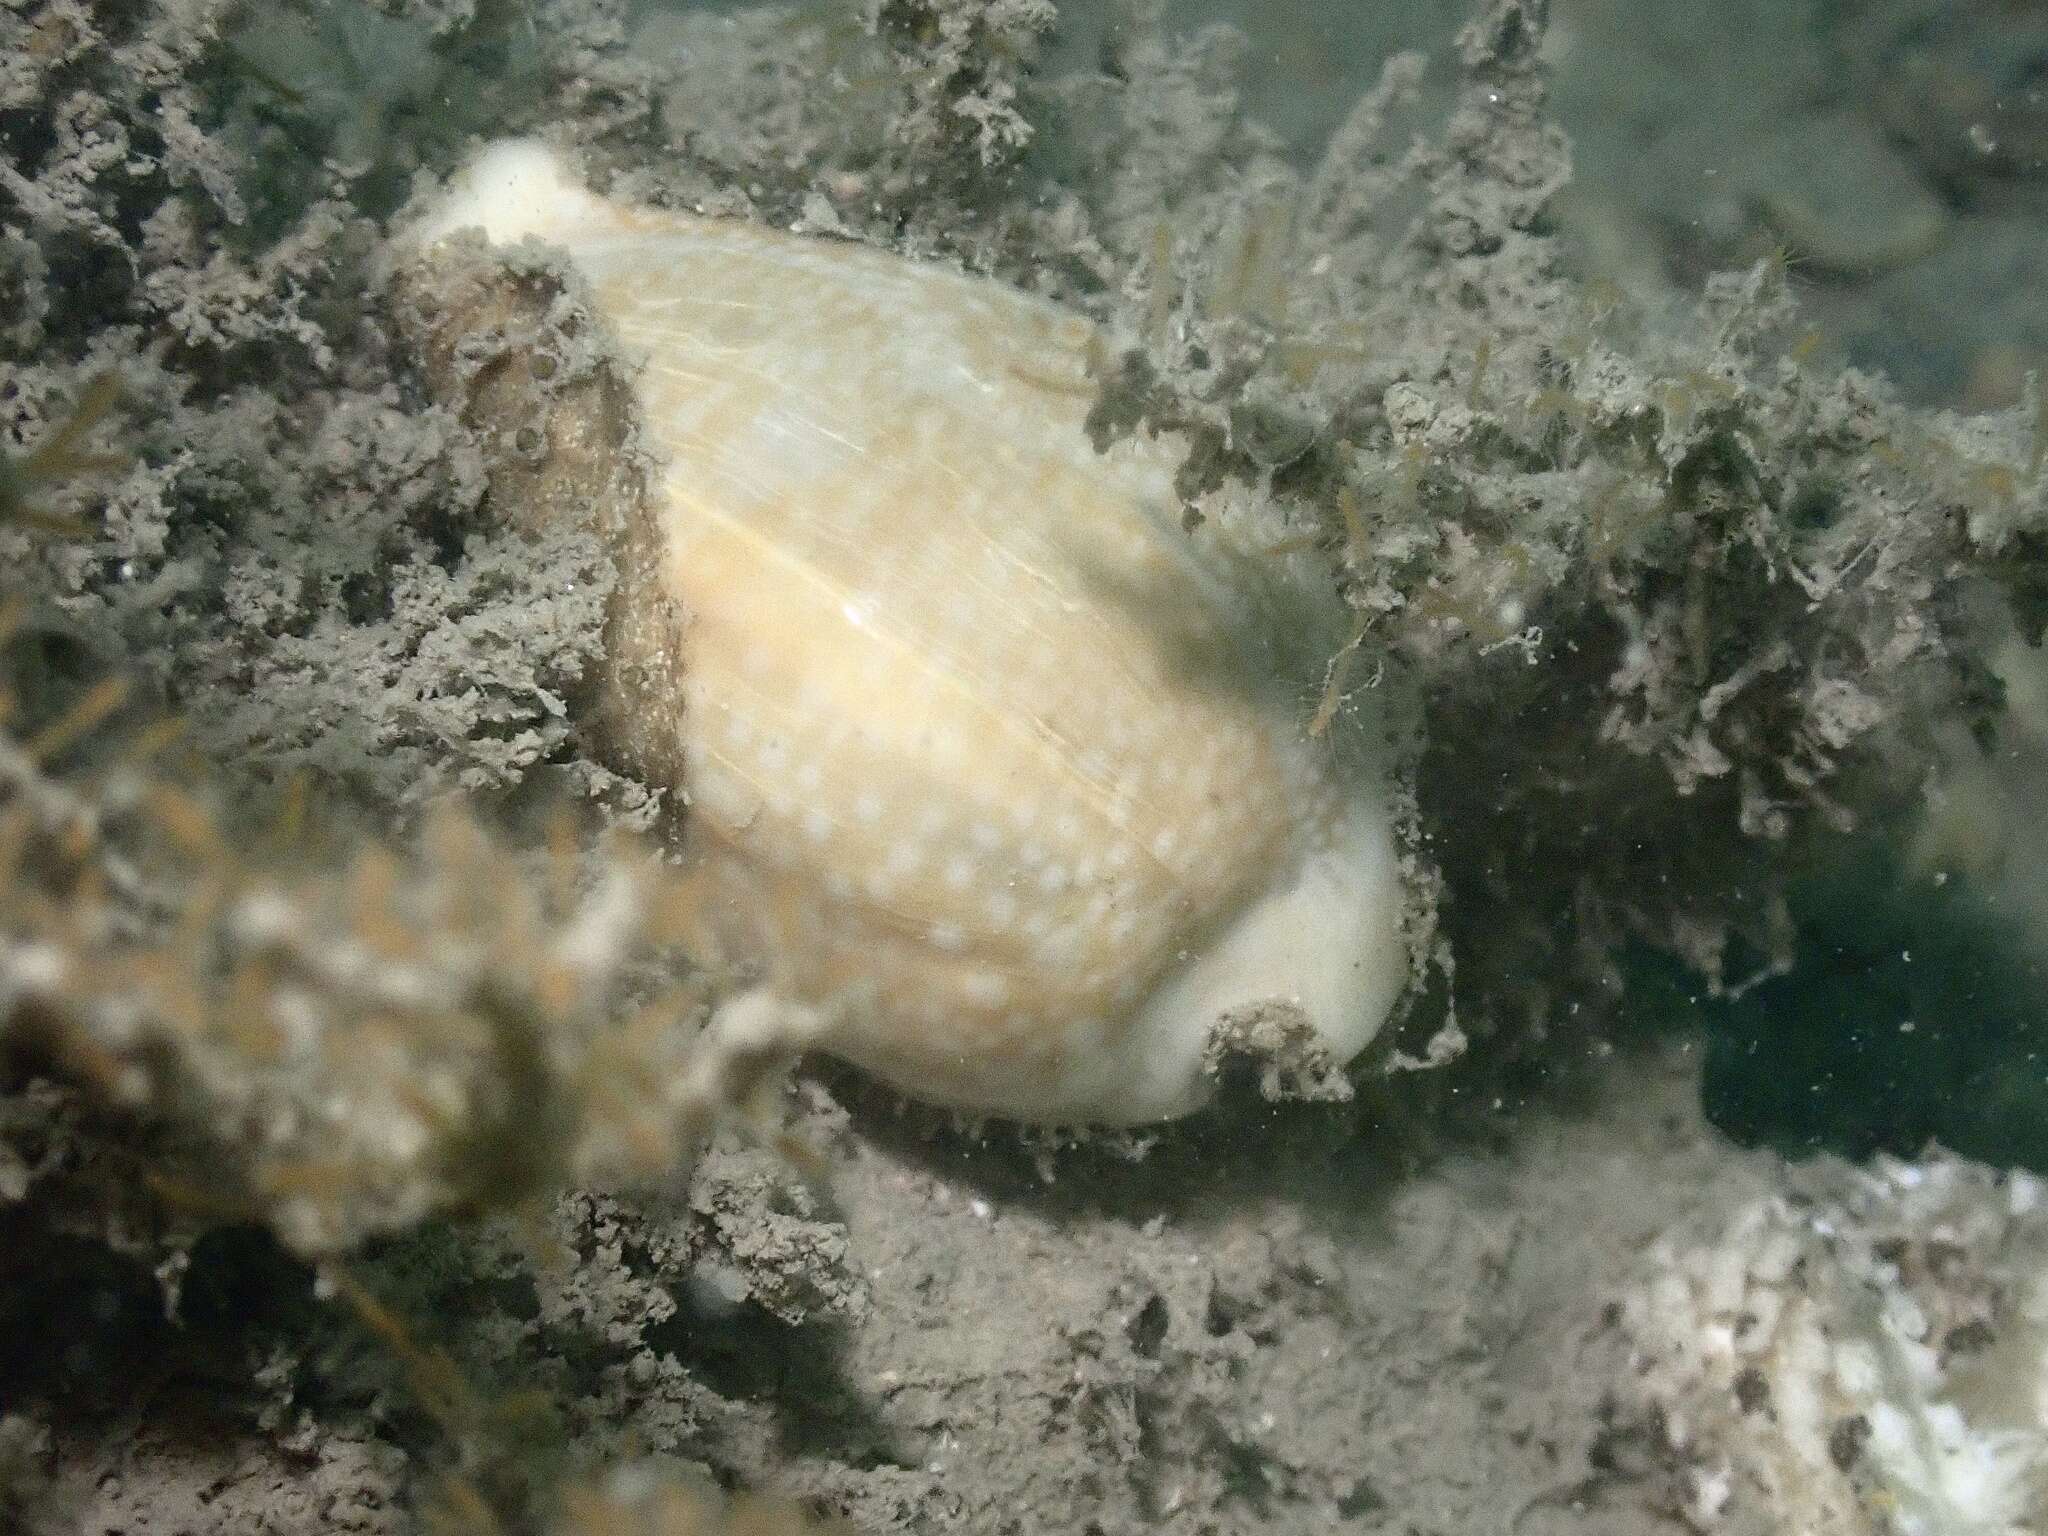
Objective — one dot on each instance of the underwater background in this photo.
(1646, 396)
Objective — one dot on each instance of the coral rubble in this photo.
(1865, 1352)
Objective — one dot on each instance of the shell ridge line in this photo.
(1044, 743)
(657, 341)
(1053, 746)
(653, 343)
(708, 435)
(612, 256)
(643, 322)
(671, 444)
(1109, 657)
(834, 259)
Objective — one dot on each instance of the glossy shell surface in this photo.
(986, 745)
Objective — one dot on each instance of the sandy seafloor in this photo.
(1409, 1314)
(1260, 1328)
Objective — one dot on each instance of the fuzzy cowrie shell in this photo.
(989, 761)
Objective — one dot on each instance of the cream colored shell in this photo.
(978, 739)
